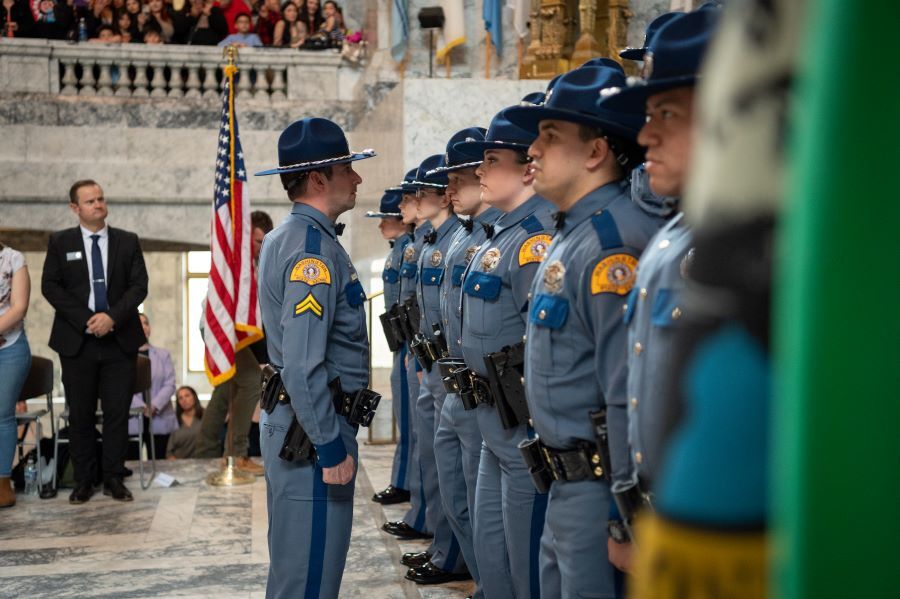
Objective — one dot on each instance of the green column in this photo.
(836, 459)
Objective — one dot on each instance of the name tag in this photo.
(72, 256)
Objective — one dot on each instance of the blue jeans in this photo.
(15, 361)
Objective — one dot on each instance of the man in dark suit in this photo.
(95, 278)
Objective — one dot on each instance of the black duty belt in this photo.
(472, 388)
(357, 407)
(547, 464)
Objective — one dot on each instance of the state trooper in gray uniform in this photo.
(654, 309)
(509, 512)
(313, 309)
(415, 523)
(576, 350)
(457, 443)
(446, 562)
(396, 233)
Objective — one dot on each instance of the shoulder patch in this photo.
(534, 248)
(308, 304)
(614, 274)
(311, 271)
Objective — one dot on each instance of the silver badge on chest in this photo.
(471, 251)
(436, 258)
(490, 260)
(553, 276)
(409, 254)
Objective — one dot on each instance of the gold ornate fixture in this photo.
(567, 33)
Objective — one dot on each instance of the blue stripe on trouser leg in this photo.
(457, 456)
(574, 562)
(521, 507)
(415, 516)
(309, 522)
(400, 471)
(444, 548)
(491, 552)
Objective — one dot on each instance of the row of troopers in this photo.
(532, 312)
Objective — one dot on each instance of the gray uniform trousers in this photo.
(574, 561)
(309, 521)
(457, 450)
(509, 517)
(415, 515)
(444, 550)
(403, 463)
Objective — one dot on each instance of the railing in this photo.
(141, 71)
(369, 318)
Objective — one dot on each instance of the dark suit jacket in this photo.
(66, 285)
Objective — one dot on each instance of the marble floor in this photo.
(190, 540)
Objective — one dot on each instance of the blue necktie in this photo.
(99, 282)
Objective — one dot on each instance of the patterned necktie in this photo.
(99, 281)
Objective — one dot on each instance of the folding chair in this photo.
(39, 382)
(141, 385)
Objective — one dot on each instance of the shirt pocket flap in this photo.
(408, 270)
(356, 295)
(456, 276)
(549, 311)
(483, 285)
(390, 276)
(665, 308)
(629, 306)
(432, 276)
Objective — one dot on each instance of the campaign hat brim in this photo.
(373, 214)
(478, 148)
(640, 91)
(530, 117)
(632, 53)
(455, 167)
(317, 164)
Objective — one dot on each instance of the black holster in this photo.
(601, 436)
(357, 407)
(392, 332)
(424, 350)
(472, 389)
(297, 446)
(547, 464)
(447, 366)
(440, 341)
(505, 370)
(272, 391)
(411, 317)
(630, 502)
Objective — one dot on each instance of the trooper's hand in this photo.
(340, 474)
(621, 555)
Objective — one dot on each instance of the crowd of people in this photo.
(306, 24)
(98, 334)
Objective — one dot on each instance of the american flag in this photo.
(231, 319)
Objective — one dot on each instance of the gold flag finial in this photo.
(230, 53)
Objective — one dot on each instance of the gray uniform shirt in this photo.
(496, 286)
(576, 350)
(391, 273)
(431, 275)
(653, 310)
(409, 268)
(463, 246)
(313, 310)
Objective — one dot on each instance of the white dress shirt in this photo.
(103, 242)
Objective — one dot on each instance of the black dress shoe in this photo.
(115, 489)
(391, 495)
(404, 531)
(415, 559)
(81, 493)
(431, 574)
(126, 472)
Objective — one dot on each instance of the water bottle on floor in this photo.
(31, 474)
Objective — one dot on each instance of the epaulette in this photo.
(313, 240)
(532, 224)
(607, 230)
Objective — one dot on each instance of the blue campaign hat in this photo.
(652, 28)
(313, 143)
(402, 187)
(573, 99)
(672, 60)
(389, 207)
(502, 134)
(434, 180)
(455, 160)
(601, 61)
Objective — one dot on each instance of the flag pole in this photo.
(487, 55)
(229, 475)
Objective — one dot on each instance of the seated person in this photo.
(333, 26)
(242, 38)
(106, 35)
(289, 31)
(162, 387)
(189, 412)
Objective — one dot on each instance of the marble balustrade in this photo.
(195, 72)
